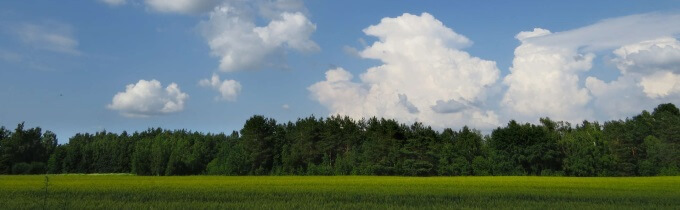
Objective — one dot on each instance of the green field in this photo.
(356, 192)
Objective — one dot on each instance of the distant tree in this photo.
(259, 136)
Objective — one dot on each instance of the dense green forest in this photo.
(645, 145)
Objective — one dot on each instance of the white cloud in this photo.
(291, 29)
(229, 89)
(114, 2)
(660, 84)
(235, 37)
(543, 81)
(241, 45)
(650, 74)
(339, 94)
(52, 36)
(545, 76)
(181, 6)
(148, 98)
(285, 106)
(617, 99)
(423, 65)
(649, 56)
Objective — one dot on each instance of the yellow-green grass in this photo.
(353, 192)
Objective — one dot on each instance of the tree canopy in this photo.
(645, 145)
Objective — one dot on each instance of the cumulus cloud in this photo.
(236, 36)
(148, 98)
(650, 74)
(543, 81)
(660, 84)
(545, 78)
(51, 36)
(661, 54)
(114, 2)
(241, 45)
(229, 89)
(339, 94)
(423, 64)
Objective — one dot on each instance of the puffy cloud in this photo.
(649, 56)
(617, 99)
(650, 74)
(181, 6)
(423, 66)
(149, 98)
(339, 94)
(52, 36)
(114, 2)
(233, 36)
(543, 81)
(292, 29)
(660, 84)
(229, 89)
(545, 76)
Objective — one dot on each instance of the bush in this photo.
(549, 172)
(669, 171)
(21, 168)
(26, 168)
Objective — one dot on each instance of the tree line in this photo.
(647, 144)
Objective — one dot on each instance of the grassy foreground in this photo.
(355, 192)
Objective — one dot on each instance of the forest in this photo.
(647, 144)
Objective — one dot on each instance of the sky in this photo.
(209, 65)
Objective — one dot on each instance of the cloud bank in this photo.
(547, 76)
(426, 75)
(148, 98)
(649, 75)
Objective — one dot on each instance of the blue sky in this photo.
(65, 66)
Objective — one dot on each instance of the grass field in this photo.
(354, 192)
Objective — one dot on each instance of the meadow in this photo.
(346, 192)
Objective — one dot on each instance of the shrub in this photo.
(21, 168)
